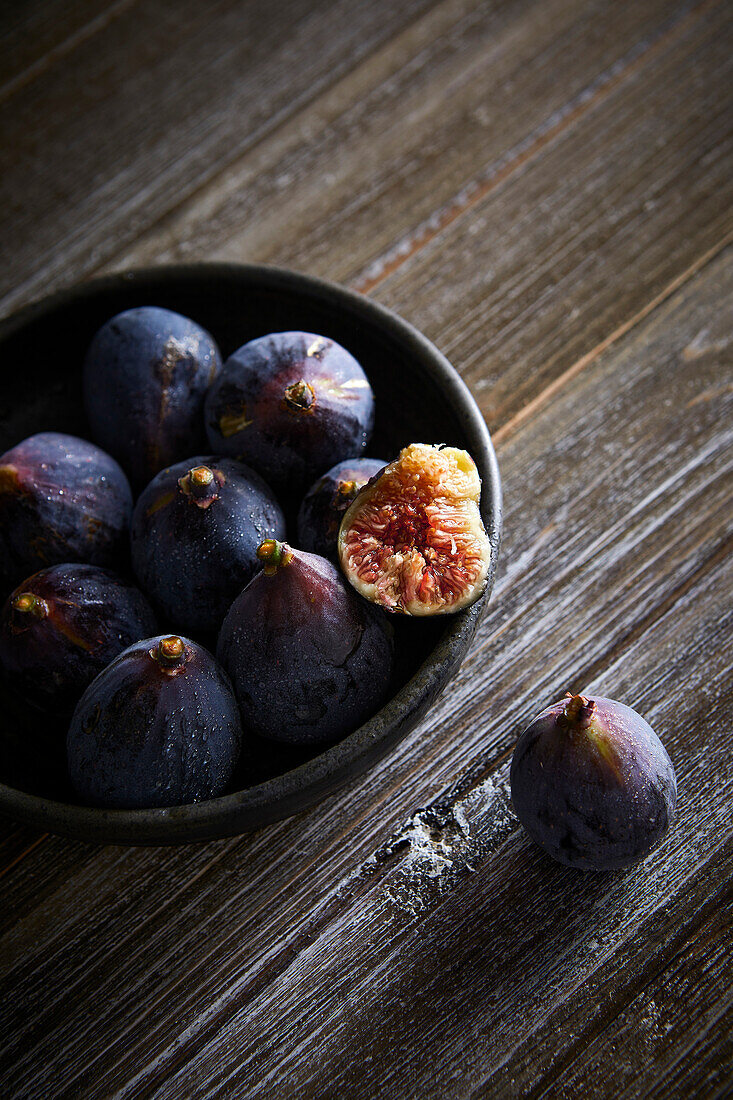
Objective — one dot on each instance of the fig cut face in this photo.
(413, 540)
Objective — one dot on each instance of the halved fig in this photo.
(413, 540)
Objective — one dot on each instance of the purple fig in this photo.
(145, 378)
(309, 660)
(326, 502)
(61, 500)
(158, 727)
(290, 405)
(592, 783)
(195, 533)
(62, 626)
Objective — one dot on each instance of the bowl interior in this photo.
(418, 398)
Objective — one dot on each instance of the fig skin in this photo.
(158, 727)
(309, 661)
(62, 626)
(413, 540)
(62, 499)
(592, 784)
(194, 547)
(328, 499)
(145, 378)
(290, 405)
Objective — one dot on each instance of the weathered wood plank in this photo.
(137, 116)
(589, 233)
(669, 532)
(705, 1069)
(457, 101)
(603, 197)
(17, 842)
(690, 996)
(454, 980)
(589, 1019)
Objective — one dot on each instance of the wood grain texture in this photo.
(405, 960)
(37, 34)
(669, 544)
(459, 98)
(544, 250)
(602, 208)
(592, 1017)
(139, 114)
(403, 938)
(633, 1057)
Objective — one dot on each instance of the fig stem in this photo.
(200, 484)
(170, 651)
(274, 554)
(9, 480)
(300, 396)
(201, 477)
(29, 603)
(578, 711)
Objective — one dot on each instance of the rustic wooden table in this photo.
(545, 190)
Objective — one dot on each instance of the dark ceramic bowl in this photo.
(419, 397)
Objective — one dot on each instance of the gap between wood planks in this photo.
(700, 936)
(593, 670)
(475, 191)
(509, 427)
(21, 855)
(194, 148)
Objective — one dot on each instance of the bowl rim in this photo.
(286, 793)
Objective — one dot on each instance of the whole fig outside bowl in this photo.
(592, 783)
